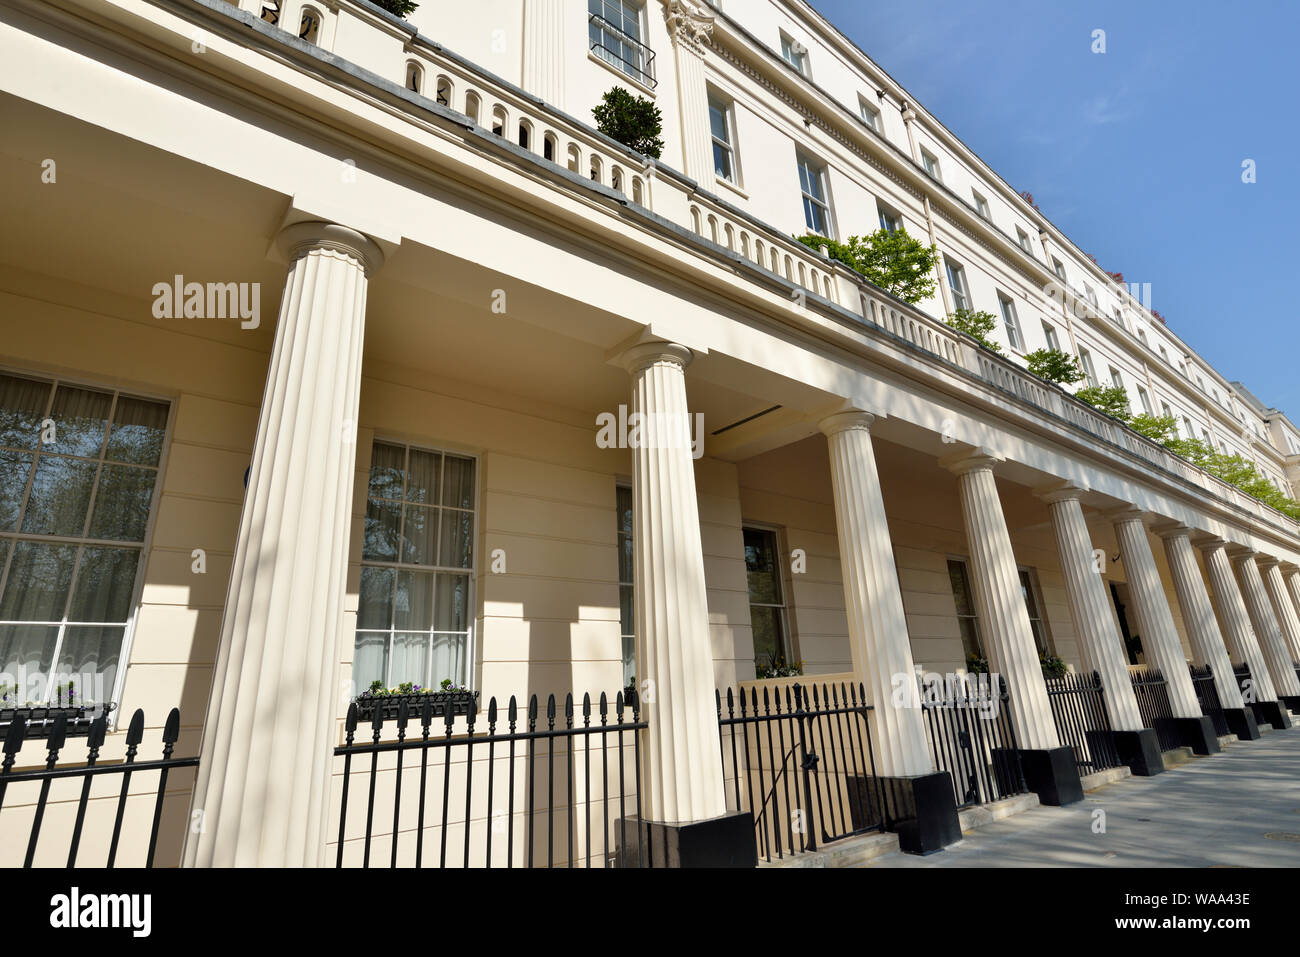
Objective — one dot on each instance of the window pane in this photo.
(138, 430)
(413, 608)
(122, 503)
(105, 581)
(418, 535)
(449, 658)
(626, 610)
(457, 539)
(15, 467)
(386, 471)
(81, 419)
(39, 578)
(722, 161)
(452, 603)
(26, 653)
(22, 405)
(60, 496)
(760, 566)
(718, 120)
(410, 659)
(458, 482)
(960, 588)
(970, 641)
(88, 659)
(382, 523)
(369, 660)
(769, 640)
(422, 478)
(375, 604)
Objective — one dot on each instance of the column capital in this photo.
(689, 23)
(1168, 530)
(1289, 568)
(301, 238)
(970, 460)
(1240, 554)
(646, 354)
(848, 419)
(1063, 491)
(1211, 544)
(1266, 561)
(1125, 514)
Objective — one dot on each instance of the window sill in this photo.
(731, 186)
(622, 75)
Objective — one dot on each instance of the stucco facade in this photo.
(453, 262)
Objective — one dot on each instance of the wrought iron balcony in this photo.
(621, 51)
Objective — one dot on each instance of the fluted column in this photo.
(1264, 621)
(1291, 575)
(544, 43)
(882, 653)
(1287, 616)
(1155, 620)
(690, 25)
(262, 794)
(681, 764)
(1198, 614)
(1090, 608)
(1235, 619)
(1004, 620)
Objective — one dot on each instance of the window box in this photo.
(460, 703)
(40, 719)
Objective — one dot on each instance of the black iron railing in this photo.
(621, 51)
(71, 783)
(1208, 696)
(1152, 694)
(969, 728)
(522, 793)
(801, 760)
(1079, 710)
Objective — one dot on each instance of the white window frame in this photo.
(145, 544)
(726, 106)
(890, 220)
(1049, 334)
(1011, 322)
(795, 53)
(1022, 238)
(1145, 400)
(1116, 379)
(956, 274)
(870, 114)
(1085, 361)
(471, 601)
(930, 163)
(817, 170)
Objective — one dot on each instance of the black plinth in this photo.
(921, 809)
(1271, 712)
(1051, 774)
(1292, 702)
(1140, 750)
(1242, 723)
(726, 841)
(1197, 734)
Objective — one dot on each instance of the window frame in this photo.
(802, 64)
(715, 97)
(973, 617)
(930, 163)
(1050, 336)
(957, 285)
(887, 215)
(1032, 589)
(870, 115)
(471, 601)
(1090, 373)
(145, 543)
(785, 583)
(1011, 322)
(982, 207)
(803, 159)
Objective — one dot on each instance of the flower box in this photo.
(40, 719)
(459, 702)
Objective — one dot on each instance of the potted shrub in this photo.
(387, 701)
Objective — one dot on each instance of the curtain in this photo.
(22, 405)
(138, 430)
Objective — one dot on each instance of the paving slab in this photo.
(1238, 808)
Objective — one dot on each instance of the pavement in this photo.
(1238, 808)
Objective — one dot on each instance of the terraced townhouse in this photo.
(317, 322)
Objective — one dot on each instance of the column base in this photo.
(1271, 712)
(1051, 774)
(726, 841)
(921, 810)
(1196, 733)
(1140, 750)
(1292, 702)
(1242, 723)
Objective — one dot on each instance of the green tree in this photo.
(1157, 428)
(977, 325)
(1055, 366)
(632, 120)
(402, 8)
(896, 262)
(1111, 399)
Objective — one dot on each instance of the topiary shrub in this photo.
(632, 120)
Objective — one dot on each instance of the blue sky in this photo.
(1136, 154)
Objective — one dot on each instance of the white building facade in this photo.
(315, 340)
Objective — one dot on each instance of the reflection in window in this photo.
(417, 562)
(626, 584)
(78, 473)
(767, 604)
